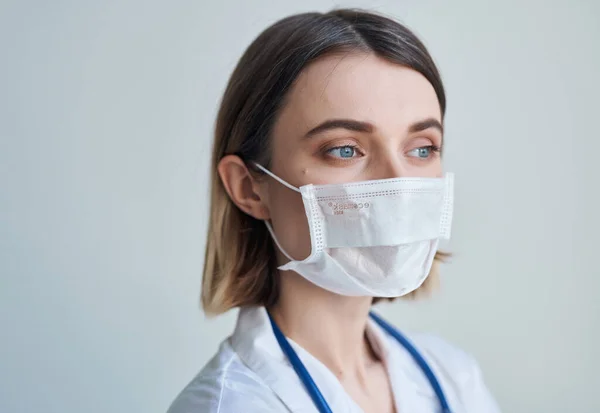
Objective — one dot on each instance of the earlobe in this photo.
(242, 187)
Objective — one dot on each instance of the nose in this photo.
(389, 165)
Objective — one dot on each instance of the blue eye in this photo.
(344, 152)
(423, 152)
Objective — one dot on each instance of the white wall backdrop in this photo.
(106, 115)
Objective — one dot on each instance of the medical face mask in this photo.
(372, 238)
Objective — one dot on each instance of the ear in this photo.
(242, 187)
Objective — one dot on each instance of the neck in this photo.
(329, 326)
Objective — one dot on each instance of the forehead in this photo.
(358, 86)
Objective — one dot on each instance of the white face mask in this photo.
(372, 238)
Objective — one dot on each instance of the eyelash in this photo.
(355, 148)
(435, 149)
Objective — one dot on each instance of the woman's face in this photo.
(349, 118)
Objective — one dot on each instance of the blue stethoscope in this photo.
(314, 391)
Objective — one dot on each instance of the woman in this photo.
(328, 194)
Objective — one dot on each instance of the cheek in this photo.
(431, 169)
(289, 222)
(436, 170)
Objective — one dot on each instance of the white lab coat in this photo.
(250, 374)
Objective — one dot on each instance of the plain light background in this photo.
(106, 117)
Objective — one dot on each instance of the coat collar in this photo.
(254, 342)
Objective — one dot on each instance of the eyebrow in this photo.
(357, 126)
(426, 124)
(349, 124)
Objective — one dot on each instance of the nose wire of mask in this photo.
(267, 223)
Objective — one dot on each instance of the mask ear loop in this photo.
(272, 175)
(269, 227)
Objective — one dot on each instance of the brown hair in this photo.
(239, 266)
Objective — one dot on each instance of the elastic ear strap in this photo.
(277, 242)
(272, 175)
